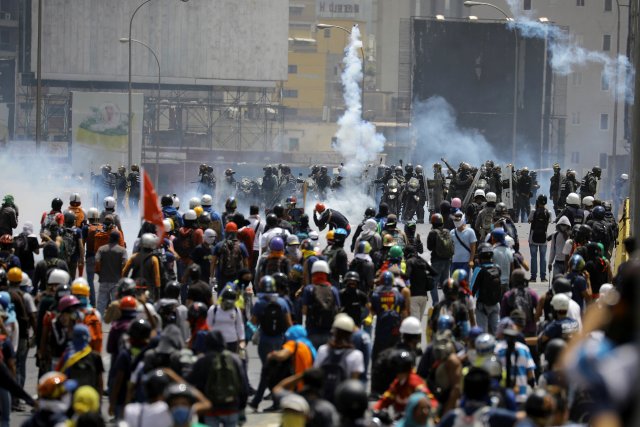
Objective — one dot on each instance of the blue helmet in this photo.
(445, 323)
(387, 278)
(268, 285)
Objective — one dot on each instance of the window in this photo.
(608, 6)
(575, 118)
(294, 144)
(604, 122)
(293, 69)
(296, 10)
(576, 78)
(327, 33)
(575, 157)
(579, 2)
(290, 93)
(606, 42)
(526, 5)
(604, 82)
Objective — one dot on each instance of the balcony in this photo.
(8, 20)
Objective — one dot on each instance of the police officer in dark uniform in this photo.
(523, 187)
(589, 185)
(133, 180)
(422, 193)
(269, 186)
(554, 187)
(323, 181)
(568, 185)
(438, 186)
(121, 186)
(107, 184)
(408, 172)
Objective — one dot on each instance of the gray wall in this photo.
(240, 42)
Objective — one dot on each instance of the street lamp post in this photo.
(156, 138)
(130, 114)
(515, 77)
(364, 63)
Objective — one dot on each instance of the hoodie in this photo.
(408, 420)
(558, 240)
(370, 234)
(173, 214)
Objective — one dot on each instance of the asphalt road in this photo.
(261, 419)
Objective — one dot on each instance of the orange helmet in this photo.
(6, 239)
(53, 385)
(320, 207)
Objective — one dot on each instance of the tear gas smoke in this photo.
(357, 139)
(567, 55)
(438, 135)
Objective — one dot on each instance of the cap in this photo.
(295, 402)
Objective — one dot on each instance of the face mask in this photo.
(292, 419)
(459, 223)
(181, 415)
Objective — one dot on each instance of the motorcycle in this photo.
(411, 198)
(392, 195)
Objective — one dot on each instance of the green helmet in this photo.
(396, 252)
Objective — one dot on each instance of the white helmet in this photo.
(624, 177)
(58, 277)
(206, 200)
(485, 344)
(210, 236)
(74, 198)
(491, 197)
(560, 302)
(411, 326)
(587, 201)
(190, 215)
(176, 202)
(313, 235)
(149, 241)
(573, 199)
(109, 202)
(342, 321)
(478, 192)
(93, 213)
(320, 267)
(168, 225)
(608, 295)
(193, 202)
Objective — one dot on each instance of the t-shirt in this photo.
(354, 360)
(303, 357)
(503, 258)
(29, 304)
(561, 328)
(468, 237)
(228, 322)
(578, 286)
(112, 259)
(155, 414)
(522, 364)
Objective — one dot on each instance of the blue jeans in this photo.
(5, 407)
(361, 340)
(487, 317)
(542, 250)
(222, 420)
(441, 266)
(90, 268)
(21, 361)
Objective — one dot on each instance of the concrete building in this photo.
(593, 129)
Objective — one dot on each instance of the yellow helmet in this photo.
(80, 287)
(14, 275)
(330, 235)
(198, 210)
(86, 399)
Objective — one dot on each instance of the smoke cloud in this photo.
(567, 55)
(357, 139)
(437, 134)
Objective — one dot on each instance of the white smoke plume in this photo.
(567, 55)
(357, 139)
(437, 134)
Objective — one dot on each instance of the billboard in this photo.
(471, 65)
(100, 129)
(230, 42)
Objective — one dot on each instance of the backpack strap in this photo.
(461, 242)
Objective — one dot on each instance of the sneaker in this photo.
(543, 279)
(533, 279)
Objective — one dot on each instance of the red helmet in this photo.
(436, 219)
(6, 239)
(67, 302)
(320, 207)
(128, 303)
(231, 227)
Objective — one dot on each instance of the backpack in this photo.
(183, 243)
(69, 244)
(224, 385)
(272, 321)
(323, 307)
(50, 226)
(480, 418)
(334, 368)
(94, 324)
(100, 238)
(388, 323)
(230, 257)
(600, 233)
(273, 265)
(491, 289)
(21, 244)
(444, 244)
(521, 299)
(539, 225)
(84, 371)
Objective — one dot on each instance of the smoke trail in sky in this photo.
(357, 139)
(567, 55)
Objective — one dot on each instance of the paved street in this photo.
(261, 419)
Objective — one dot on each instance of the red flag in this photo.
(151, 208)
